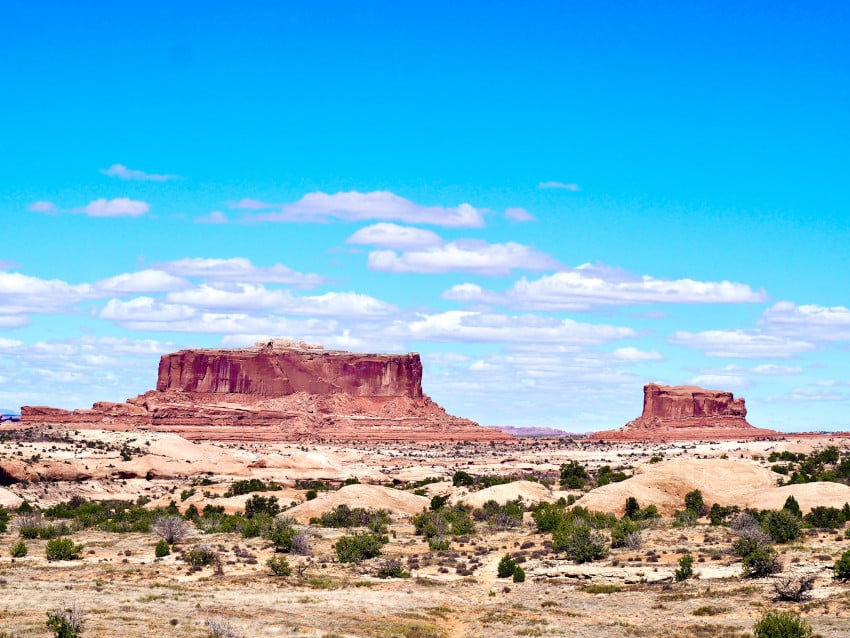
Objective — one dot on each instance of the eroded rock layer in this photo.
(687, 413)
(280, 390)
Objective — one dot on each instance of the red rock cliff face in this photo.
(281, 390)
(269, 371)
(685, 401)
(687, 412)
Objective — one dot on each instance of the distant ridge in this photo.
(535, 432)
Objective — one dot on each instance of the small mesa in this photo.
(687, 413)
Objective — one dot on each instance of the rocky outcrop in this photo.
(686, 413)
(280, 390)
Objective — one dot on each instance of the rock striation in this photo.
(280, 390)
(687, 413)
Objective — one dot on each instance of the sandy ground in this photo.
(125, 591)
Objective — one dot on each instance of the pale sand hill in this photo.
(665, 484)
(7, 499)
(398, 502)
(529, 491)
(808, 495)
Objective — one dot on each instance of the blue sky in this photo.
(554, 203)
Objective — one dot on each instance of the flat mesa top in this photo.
(686, 389)
(290, 345)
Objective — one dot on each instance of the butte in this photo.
(280, 390)
(687, 413)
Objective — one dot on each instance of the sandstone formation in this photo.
(687, 413)
(280, 390)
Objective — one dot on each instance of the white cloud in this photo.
(22, 294)
(559, 185)
(467, 326)
(774, 370)
(519, 215)
(118, 207)
(721, 382)
(473, 256)
(215, 217)
(388, 235)
(740, 344)
(586, 286)
(42, 207)
(142, 281)
(239, 269)
(254, 297)
(818, 323)
(122, 172)
(635, 355)
(354, 206)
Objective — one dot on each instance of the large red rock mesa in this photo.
(280, 390)
(687, 413)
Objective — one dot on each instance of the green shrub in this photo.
(279, 566)
(792, 507)
(65, 623)
(624, 533)
(438, 543)
(162, 549)
(261, 505)
(438, 501)
(447, 521)
(548, 516)
(685, 569)
(392, 568)
(573, 475)
(825, 517)
(310, 495)
(345, 516)
(4, 519)
(694, 502)
(462, 479)
(782, 526)
(762, 561)
(250, 485)
(580, 542)
(841, 569)
(282, 535)
(18, 550)
(519, 575)
(632, 507)
(781, 624)
(358, 547)
(506, 566)
(63, 549)
(199, 556)
(719, 514)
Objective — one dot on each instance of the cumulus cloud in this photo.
(353, 206)
(819, 323)
(141, 281)
(559, 185)
(466, 255)
(118, 207)
(632, 354)
(248, 297)
(122, 172)
(42, 207)
(725, 381)
(741, 344)
(588, 286)
(22, 294)
(239, 269)
(215, 217)
(388, 235)
(468, 326)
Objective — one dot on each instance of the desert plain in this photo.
(121, 588)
